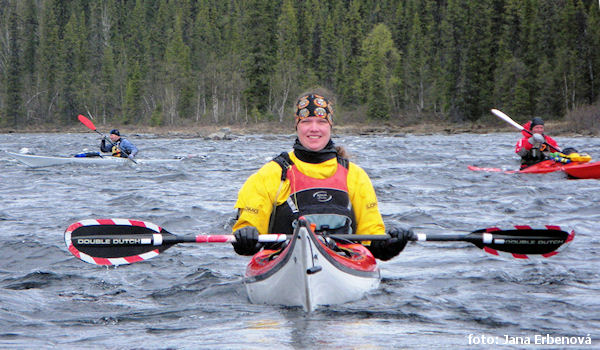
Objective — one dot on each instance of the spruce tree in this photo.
(13, 109)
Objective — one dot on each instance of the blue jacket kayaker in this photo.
(317, 180)
(118, 145)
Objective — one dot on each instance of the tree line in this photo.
(180, 62)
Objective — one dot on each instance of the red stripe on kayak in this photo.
(520, 256)
(523, 227)
(106, 222)
(547, 255)
(492, 229)
(362, 259)
(553, 227)
(261, 262)
(490, 251)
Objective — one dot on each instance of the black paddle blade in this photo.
(115, 241)
(522, 241)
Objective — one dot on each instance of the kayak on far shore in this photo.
(37, 161)
(578, 170)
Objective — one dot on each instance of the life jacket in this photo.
(323, 202)
(532, 157)
(116, 150)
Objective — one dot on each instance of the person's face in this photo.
(114, 138)
(314, 133)
(538, 129)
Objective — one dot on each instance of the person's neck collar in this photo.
(309, 156)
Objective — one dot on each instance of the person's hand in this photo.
(537, 140)
(385, 250)
(246, 241)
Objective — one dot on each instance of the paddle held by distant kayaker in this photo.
(535, 146)
(315, 181)
(117, 145)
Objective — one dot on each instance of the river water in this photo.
(433, 295)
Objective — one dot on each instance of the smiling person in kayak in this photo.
(533, 148)
(316, 181)
(118, 145)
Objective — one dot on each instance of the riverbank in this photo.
(557, 128)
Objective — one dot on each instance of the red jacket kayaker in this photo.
(534, 146)
(314, 179)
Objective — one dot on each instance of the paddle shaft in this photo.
(85, 121)
(509, 120)
(484, 238)
(158, 239)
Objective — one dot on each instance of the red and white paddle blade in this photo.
(114, 241)
(524, 242)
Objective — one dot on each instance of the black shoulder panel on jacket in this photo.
(284, 162)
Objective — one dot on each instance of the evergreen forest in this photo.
(220, 62)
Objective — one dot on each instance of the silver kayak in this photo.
(36, 161)
(308, 273)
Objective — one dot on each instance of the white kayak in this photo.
(36, 161)
(308, 273)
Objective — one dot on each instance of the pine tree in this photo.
(452, 33)
(593, 53)
(259, 54)
(287, 72)
(133, 95)
(178, 70)
(30, 39)
(477, 64)
(48, 65)
(71, 69)
(13, 85)
(136, 63)
(352, 28)
(415, 80)
(548, 97)
(378, 59)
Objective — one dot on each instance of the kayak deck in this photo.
(583, 170)
(37, 161)
(579, 170)
(307, 273)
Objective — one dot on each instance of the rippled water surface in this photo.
(433, 295)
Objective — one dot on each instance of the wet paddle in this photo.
(85, 121)
(124, 241)
(509, 120)
(518, 241)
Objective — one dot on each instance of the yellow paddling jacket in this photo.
(265, 188)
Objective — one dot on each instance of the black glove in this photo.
(246, 241)
(385, 250)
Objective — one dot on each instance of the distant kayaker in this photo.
(316, 181)
(535, 146)
(118, 145)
